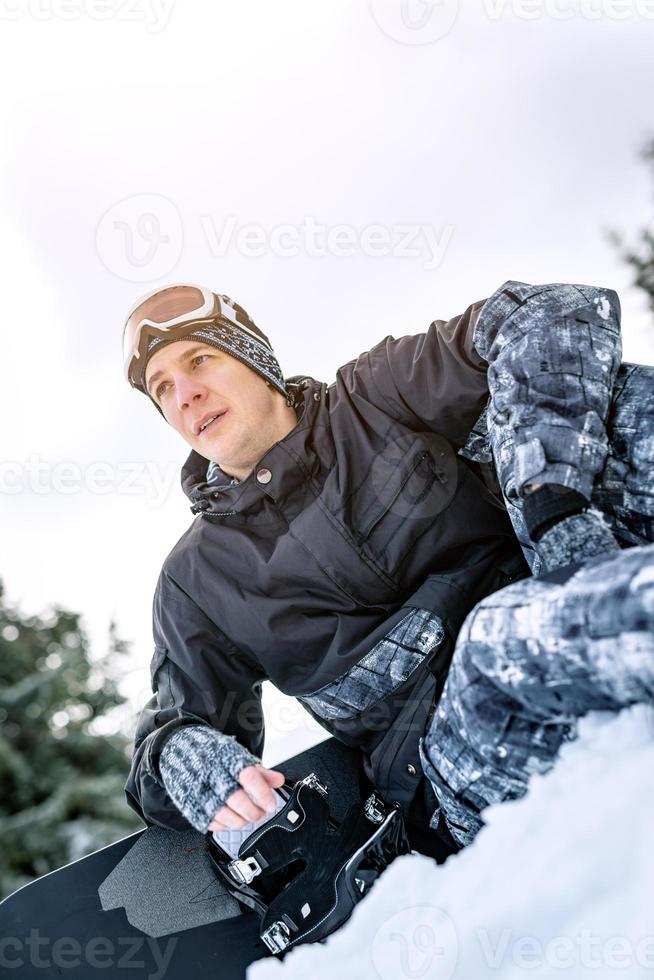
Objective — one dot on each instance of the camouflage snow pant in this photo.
(533, 658)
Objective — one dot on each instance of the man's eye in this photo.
(161, 389)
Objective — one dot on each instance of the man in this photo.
(356, 544)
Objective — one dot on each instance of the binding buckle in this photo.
(373, 809)
(243, 870)
(314, 783)
(277, 936)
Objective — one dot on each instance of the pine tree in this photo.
(61, 781)
(641, 255)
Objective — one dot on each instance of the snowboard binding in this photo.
(303, 871)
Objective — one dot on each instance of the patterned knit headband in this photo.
(227, 337)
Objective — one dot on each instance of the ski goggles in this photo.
(173, 312)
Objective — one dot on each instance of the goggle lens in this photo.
(166, 309)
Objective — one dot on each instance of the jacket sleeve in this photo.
(553, 353)
(434, 381)
(198, 677)
(547, 355)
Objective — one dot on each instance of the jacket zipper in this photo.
(368, 531)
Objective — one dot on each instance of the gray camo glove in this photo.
(564, 527)
(200, 768)
(576, 538)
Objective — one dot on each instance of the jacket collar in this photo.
(224, 495)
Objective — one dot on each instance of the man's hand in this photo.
(251, 803)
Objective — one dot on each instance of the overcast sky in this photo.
(344, 170)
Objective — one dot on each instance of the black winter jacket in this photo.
(364, 513)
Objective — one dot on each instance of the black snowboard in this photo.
(149, 907)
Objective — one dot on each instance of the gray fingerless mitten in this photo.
(576, 538)
(200, 767)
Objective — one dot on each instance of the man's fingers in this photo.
(237, 813)
(258, 782)
(274, 777)
(251, 803)
(241, 804)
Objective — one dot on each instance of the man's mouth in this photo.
(211, 424)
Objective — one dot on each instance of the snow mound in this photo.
(558, 884)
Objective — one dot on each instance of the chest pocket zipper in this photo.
(365, 534)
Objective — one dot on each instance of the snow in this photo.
(558, 884)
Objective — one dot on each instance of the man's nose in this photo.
(188, 389)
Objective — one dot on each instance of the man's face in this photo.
(191, 381)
